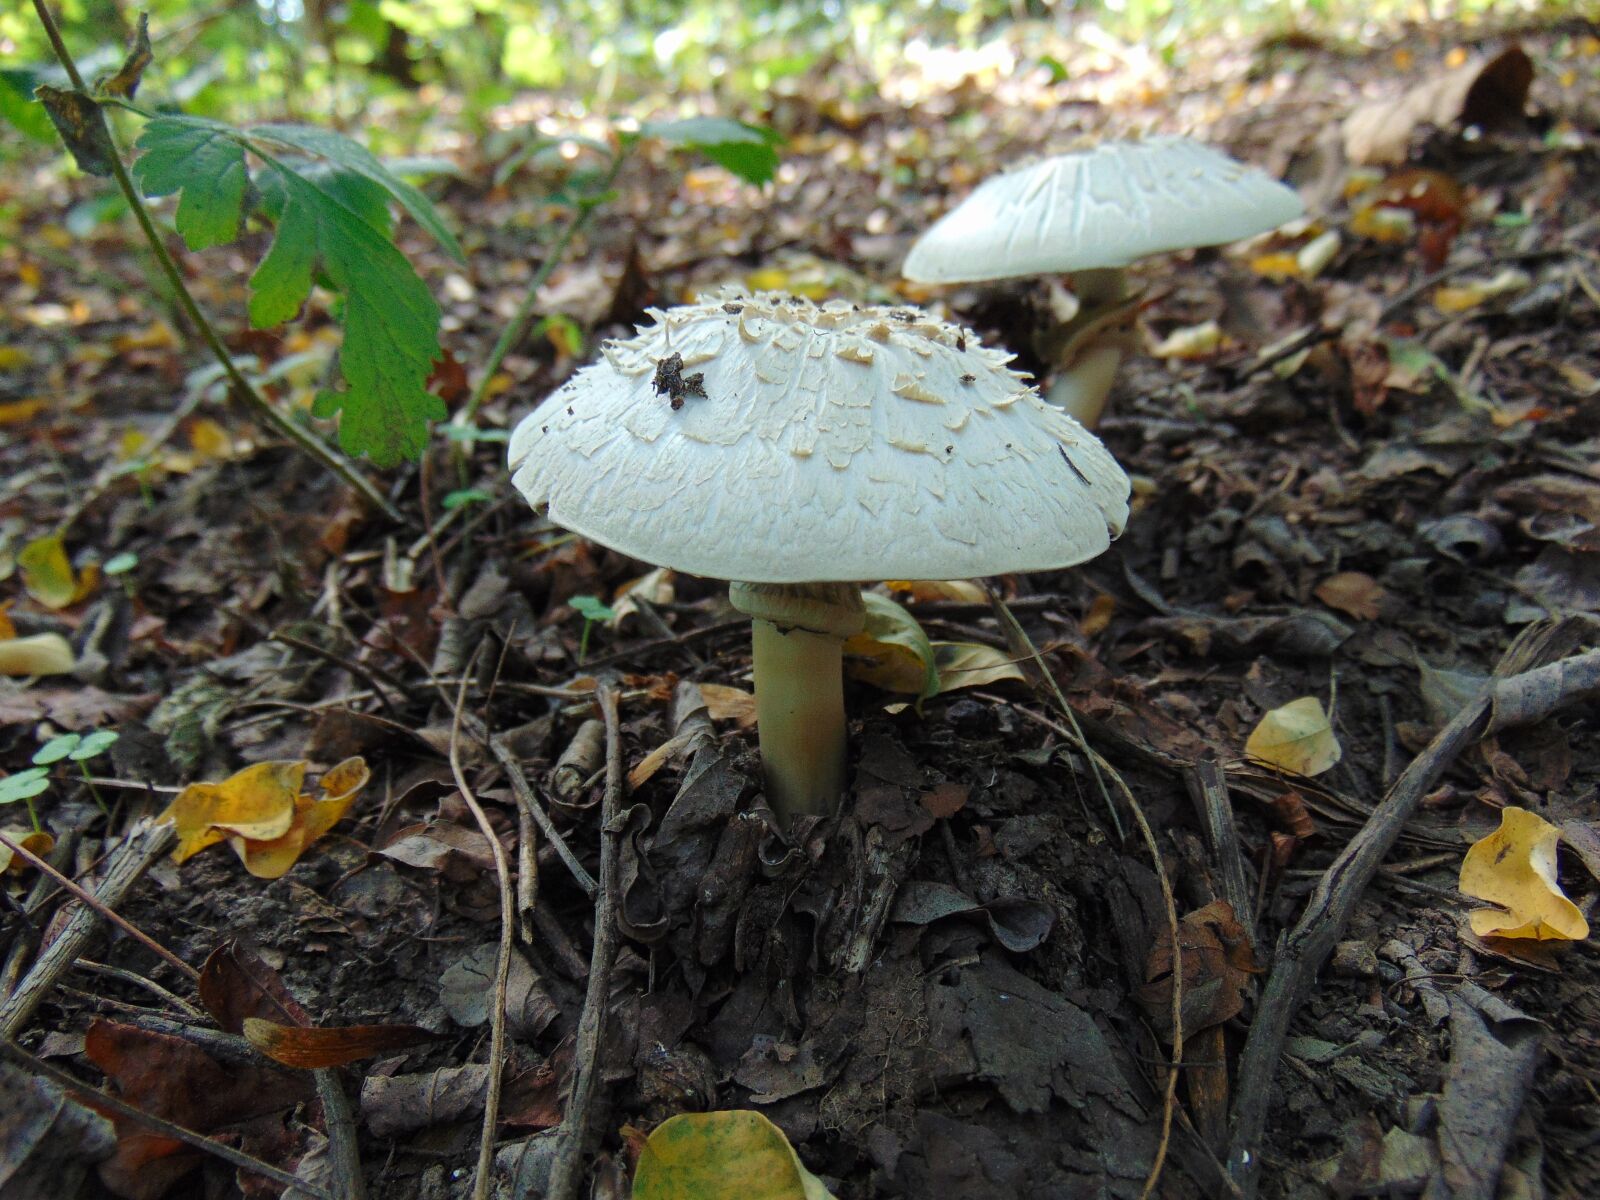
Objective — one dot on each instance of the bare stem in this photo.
(242, 387)
(517, 328)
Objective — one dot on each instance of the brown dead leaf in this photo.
(1352, 592)
(729, 704)
(1217, 964)
(308, 1047)
(237, 983)
(1484, 92)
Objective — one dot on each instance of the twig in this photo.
(149, 985)
(1515, 699)
(1208, 788)
(566, 1171)
(104, 1100)
(132, 860)
(516, 329)
(527, 872)
(640, 650)
(344, 1154)
(529, 801)
(242, 387)
(502, 973)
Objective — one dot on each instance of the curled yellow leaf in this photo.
(1515, 867)
(41, 654)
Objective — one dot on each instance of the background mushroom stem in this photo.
(798, 633)
(1086, 358)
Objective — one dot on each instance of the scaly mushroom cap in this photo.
(772, 440)
(1100, 208)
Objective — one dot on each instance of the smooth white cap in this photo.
(1100, 208)
(833, 443)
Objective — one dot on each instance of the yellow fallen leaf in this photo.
(892, 652)
(972, 664)
(1277, 265)
(41, 654)
(963, 591)
(47, 573)
(1191, 341)
(1457, 298)
(312, 818)
(1515, 867)
(732, 1155)
(16, 412)
(257, 802)
(1383, 223)
(36, 842)
(729, 704)
(1296, 737)
(12, 357)
(1101, 610)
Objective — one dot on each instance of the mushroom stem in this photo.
(1088, 350)
(797, 643)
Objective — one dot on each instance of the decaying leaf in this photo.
(263, 813)
(48, 576)
(1455, 298)
(37, 842)
(972, 664)
(82, 127)
(1217, 964)
(726, 703)
(892, 652)
(1483, 92)
(1297, 737)
(731, 1155)
(41, 654)
(308, 1047)
(1515, 867)
(1191, 341)
(962, 591)
(1354, 593)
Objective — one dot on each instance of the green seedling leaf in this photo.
(465, 496)
(592, 608)
(749, 151)
(56, 749)
(121, 564)
(82, 127)
(732, 1155)
(126, 81)
(95, 743)
(472, 433)
(24, 785)
(18, 107)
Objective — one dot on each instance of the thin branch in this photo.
(497, 1020)
(242, 387)
(104, 1100)
(529, 800)
(131, 862)
(517, 328)
(566, 1172)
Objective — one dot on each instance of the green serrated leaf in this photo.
(82, 127)
(391, 321)
(204, 160)
(340, 151)
(749, 151)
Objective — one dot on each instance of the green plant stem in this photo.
(303, 438)
(88, 781)
(517, 328)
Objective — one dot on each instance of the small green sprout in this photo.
(25, 785)
(591, 609)
(73, 747)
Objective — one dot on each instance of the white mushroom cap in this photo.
(1100, 208)
(832, 443)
